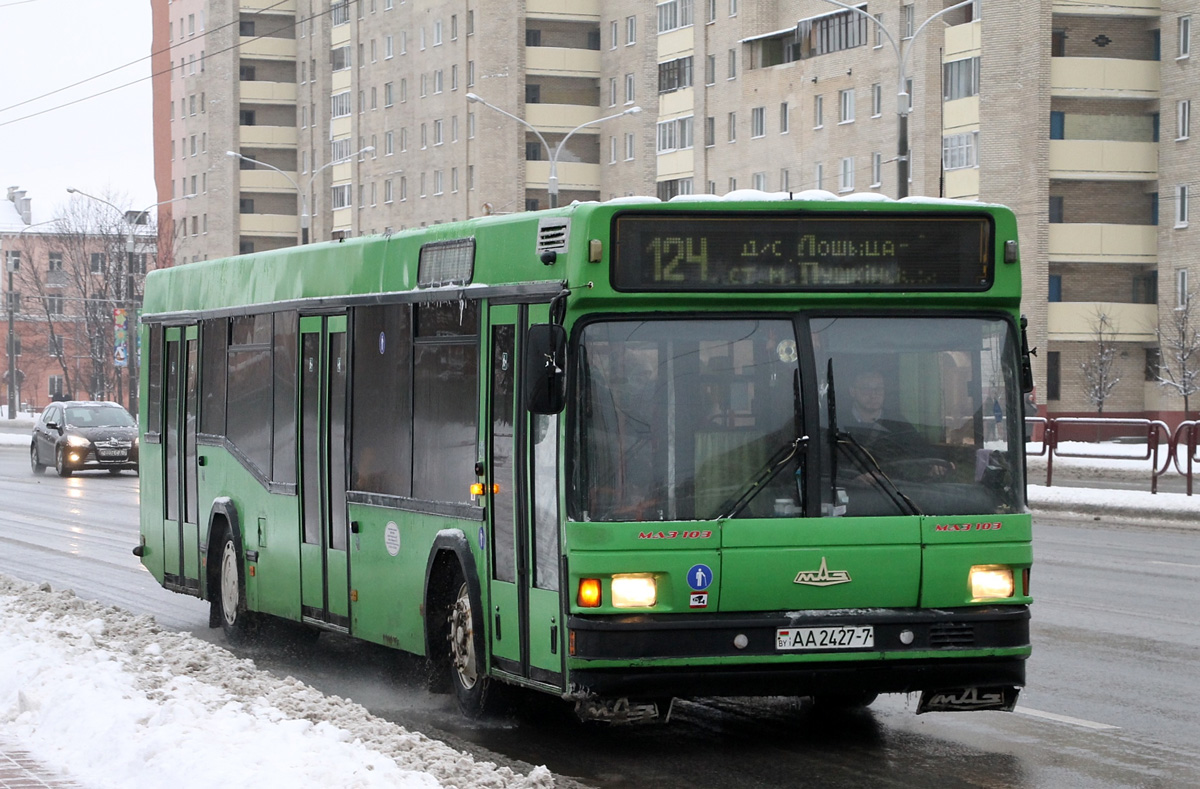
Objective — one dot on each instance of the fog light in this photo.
(634, 591)
(589, 593)
(991, 582)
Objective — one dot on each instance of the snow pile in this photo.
(116, 701)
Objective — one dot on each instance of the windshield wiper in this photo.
(867, 461)
(764, 476)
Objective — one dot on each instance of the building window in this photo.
(1184, 112)
(846, 106)
(339, 61)
(732, 64)
(675, 135)
(732, 137)
(710, 70)
(56, 305)
(629, 88)
(674, 14)
(710, 131)
(1054, 288)
(1181, 287)
(819, 176)
(674, 75)
(758, 122)
(876, 170)
(679, 186)
(783, 118)
(960, 150)
(388, 94)
(1185, 36)
(629, 147)
(960, 79)
(97, 262)
(785, 180)
(1153, 364)
(1181, 206)
(908, 21)
(630, 30)
(56, 386)
(341, 105)
(613, 26)
(846, 177)
(342, 196)
(818, 111)
(759, 181)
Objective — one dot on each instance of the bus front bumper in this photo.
(737, 654)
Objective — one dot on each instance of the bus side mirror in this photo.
(1026, 361)
(545, 368)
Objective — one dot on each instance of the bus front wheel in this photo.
(471, 685)
(229, 603)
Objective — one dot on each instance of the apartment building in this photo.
(351, 118)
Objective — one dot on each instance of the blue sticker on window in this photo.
(700, 577)
(482, 538)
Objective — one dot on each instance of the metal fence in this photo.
(1163, 448)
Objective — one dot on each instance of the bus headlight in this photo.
(634, 591)
(991, 582)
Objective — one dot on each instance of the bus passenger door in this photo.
(525, 611)
(181, 530)
(324, 559)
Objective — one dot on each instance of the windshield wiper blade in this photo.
(867, 461)
(764, 476)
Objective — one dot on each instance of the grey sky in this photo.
(100, 145)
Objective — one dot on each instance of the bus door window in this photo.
(544, 477)
(310, 387)
(503, 471)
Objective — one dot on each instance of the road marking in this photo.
(1174, 564)
(1051, 716)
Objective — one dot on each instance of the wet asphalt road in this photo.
(1114, 683)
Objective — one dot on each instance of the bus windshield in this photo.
(701, 419)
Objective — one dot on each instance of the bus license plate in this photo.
(825, 637)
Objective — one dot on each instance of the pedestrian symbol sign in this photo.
(699, 577)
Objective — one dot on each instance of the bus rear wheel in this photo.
(229, 603)
(472, 687)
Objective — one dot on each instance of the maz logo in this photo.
(822, 577)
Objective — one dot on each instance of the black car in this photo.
(82, 435)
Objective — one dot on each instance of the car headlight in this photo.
(78, 441)
(991, 582)
(634, 591)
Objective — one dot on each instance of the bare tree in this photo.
(1099, 373)
(1179, 350)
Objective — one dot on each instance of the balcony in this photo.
(963, 41)
(678, 102)
(676, 43)
(273, 6)
(266, 181)
(561, 118)
(960, 113)
(256, 92)
(1103, 160)
(572, 176)
(1104, 78)
(574, 11)
(562, 62)
(1075, 321)
(1103, 243)
(278, 225)
(963, 183)
(1126, 8)
(267, 136)
(676, 164)
(267, 48)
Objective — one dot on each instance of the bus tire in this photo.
(464, 632)
(229, 601)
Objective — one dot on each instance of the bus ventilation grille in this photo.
(553, 234)
(951, 634)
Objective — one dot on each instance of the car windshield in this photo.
(98, 416)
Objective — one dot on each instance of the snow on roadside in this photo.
(116, 701)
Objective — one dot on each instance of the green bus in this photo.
(619, 452)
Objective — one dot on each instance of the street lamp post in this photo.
(902, 98)
(552, 185)
(126, 300)
(303, 193)
(11, 265)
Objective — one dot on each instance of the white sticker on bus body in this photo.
(391, 538)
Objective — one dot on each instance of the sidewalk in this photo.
(19, 771)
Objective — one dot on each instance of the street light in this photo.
(552, 185)
(902, 97)
(11, 264)
(307, 184)
(127, 302)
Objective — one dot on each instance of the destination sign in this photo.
(813, 252)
